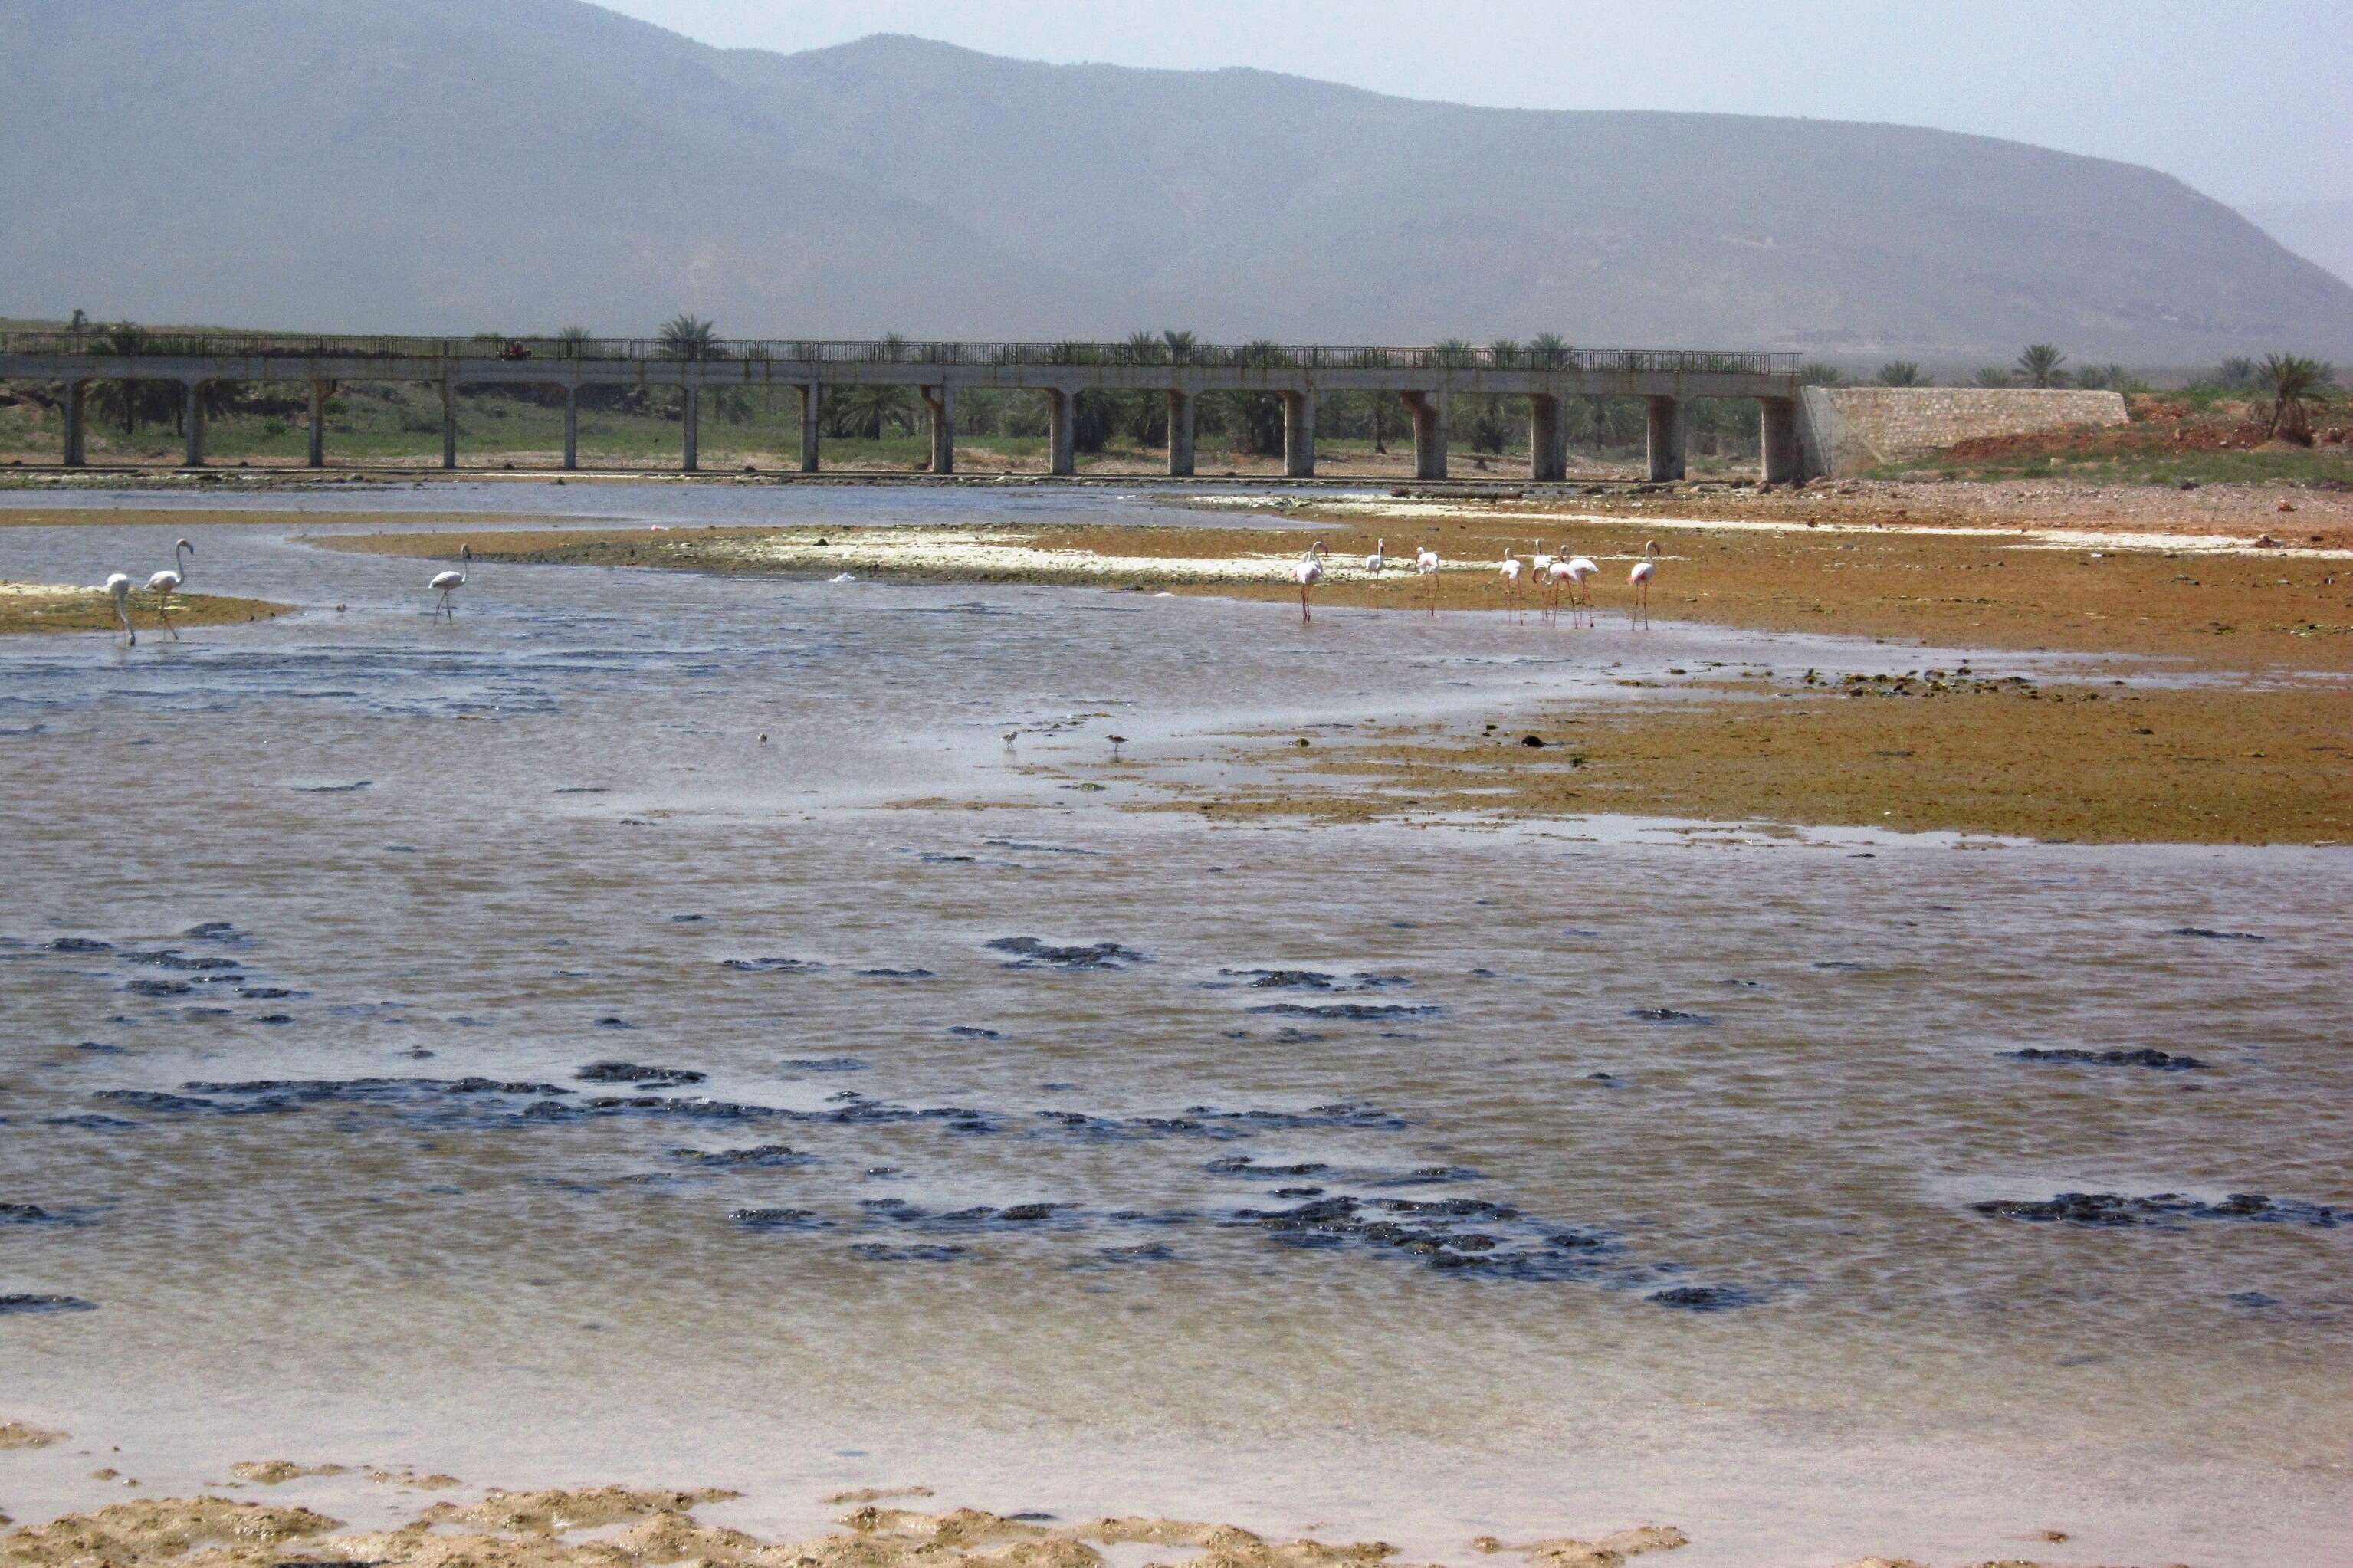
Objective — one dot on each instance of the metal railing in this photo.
(139, 343)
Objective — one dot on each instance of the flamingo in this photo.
(1638, 579)
(1582, 569)
(1425, 565)
(164, 585)
(1307, 573)
(1378, 561)
(1554, 574)
(1539, 564)
(448, 583)
(1510, 575)
(118, 588)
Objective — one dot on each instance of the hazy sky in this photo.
(2250, 101)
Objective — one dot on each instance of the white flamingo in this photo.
(164, 585)
(1638, 579)
(1378, 561)
(1582, 569)
(1539, 564)
(448, 583)
(1307, 572)
(1509, 569)
(1555, 572)
(1425, 565)
(118, 588)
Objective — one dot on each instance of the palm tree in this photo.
(686, 336)
(2290, 379)
(1143, 348)
(1994, 375)
(1505, 353)
(1548, 350)
(1900, 373)
(1180, 345)
(1814, 372)
(1453, 353)
(572, 342)
(2040, 366)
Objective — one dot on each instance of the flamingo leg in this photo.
(163, 614)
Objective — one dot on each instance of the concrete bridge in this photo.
(1427, 380)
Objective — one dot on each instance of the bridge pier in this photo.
(318, 454)
(448, 423)
(1429, 431)
(570, 429)
(939, 405)
(1667, 428)
(691, 434)
(1547, 439)
(77, 410)
(1298, 435)
(1777, 427)
(192, 423)
(1061, 436)
(1180, 434)
(810, 392)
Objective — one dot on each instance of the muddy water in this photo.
(1412, 1182)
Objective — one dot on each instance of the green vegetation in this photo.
(1900, 373)
(2290, 379)
(2038, 365)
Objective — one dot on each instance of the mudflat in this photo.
(2227, 716)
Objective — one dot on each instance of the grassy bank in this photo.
(32, 607)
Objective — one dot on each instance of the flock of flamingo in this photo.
(1545, 573)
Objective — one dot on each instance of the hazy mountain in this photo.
(448, 165)
(2318, 231)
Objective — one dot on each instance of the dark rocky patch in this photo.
(264, 993)
(1667, 1016)
(1035, 848)
(354, 785)
(2216, 935)
(158, 987)
(613, 1023)
(939, 858)
(1464, 1236)
(28, 1303)
(1847, 966)
(637, 1073)
(31, 1214)
(879, 1252)
(173, 958)
(973, 1032)
(780, 1219)
(764, 1157)
(200, 1013)
(1359, 1011)
(2112, 1210)
(688, 920)
(773, 965)
(80, 944)
(2163, 1061)
(897, 975)
(275, 1018)
(1035, 953)
(1702, 1298)
(825, 1064)
(93, 1123)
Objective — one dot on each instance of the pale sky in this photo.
(2249, 100)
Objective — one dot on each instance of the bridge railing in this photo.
(140, 342)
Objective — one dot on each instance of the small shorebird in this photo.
(1116, 743)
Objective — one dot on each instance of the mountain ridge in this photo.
(438, 165)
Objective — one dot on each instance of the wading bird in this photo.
(1638, 579)
(1581, 570)
(118, 588)
(1307, 573)
(1510, 570)
(1378, 561)
(164, 585)
(1555, 572)
(1425, 565)
(448, 583)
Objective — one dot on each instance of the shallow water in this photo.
(1736, 1284)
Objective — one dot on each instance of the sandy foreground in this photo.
(620, 1527)
(2226, 715)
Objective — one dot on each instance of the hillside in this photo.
(445, 165)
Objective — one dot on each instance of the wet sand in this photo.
(2236, 729)
(624, 1527)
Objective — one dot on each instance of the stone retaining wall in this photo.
(1849, 429)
